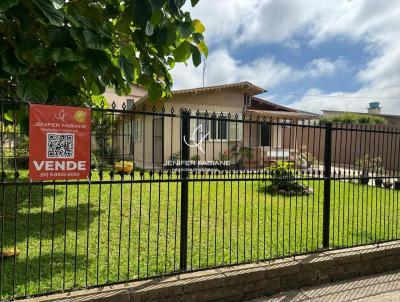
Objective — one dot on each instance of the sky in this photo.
(309, 54)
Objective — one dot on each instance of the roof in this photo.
(246, 87)
(261, 104)
(283, 114)
(363, 113)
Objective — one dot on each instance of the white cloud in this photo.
(322, 67)
(265, 71)
(223, 68)
(222, 18)
(233, 24)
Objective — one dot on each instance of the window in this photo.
(247, 100)
(207, 129)
(202, 126)
(265, 135)
(129, 103)
(219, 128)
(137, 130)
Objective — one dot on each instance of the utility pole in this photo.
(204, 69)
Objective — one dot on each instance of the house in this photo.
(374, 109)
(136, 93)
(229, 117)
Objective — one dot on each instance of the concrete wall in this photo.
(246, 282)
(351, 143)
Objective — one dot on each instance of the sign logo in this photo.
(59, 142)
(80, 116)
(197, 136)
(61, 115)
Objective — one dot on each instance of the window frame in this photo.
(209, 126)
(137, 133)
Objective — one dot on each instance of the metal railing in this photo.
(238, 189)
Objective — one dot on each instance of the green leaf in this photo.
(196, 55)
(65, 54)
(127, 68)
(54, 16)
(155, 91)
(178, 3)
(198, 26)
(6, 4)
(41, 55)
(171, 62)
(128, 50)
(185, 29)
(11, 65)
(95, 41)
(58, 3)
(182, 52)
(8, 116)
(149, 29)
(141, 12)
(96, 61)
(203, 48)
(156, 4)
(197, 38)
(194, 2)
(29, 89)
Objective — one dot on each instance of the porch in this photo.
(274, 139)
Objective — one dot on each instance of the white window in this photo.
(137, 130)
(218, 128)
(199, 128)
(236, 128)
(129, 103)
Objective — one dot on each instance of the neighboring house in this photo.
(137, 92)
(152, 140)
(374, 109)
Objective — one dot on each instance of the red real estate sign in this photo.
(59, 142)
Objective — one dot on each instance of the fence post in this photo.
(327, 183)
(185, 153)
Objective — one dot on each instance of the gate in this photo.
(206, 190)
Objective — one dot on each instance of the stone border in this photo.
(244, 282)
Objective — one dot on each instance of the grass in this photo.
(79, 235)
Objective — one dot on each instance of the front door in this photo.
(158, 141)
(265, 135)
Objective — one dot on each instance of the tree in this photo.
(68, 51)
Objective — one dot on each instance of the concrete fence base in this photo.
(244, 282)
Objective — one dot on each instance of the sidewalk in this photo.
(383, 287)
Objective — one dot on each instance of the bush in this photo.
(354, 118)
(368, 164)
(283, 182)
(195, 158)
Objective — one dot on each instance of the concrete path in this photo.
(384, 287)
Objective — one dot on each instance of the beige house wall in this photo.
(223, 101)
(163, 148)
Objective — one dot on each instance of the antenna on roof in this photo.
(204, 69)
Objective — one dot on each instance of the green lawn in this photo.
(70, 236)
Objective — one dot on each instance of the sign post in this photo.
(59, 142)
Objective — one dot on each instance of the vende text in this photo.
(49, 165)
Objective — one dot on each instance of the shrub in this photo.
(195, 158)
(354, 118)
(368, 164)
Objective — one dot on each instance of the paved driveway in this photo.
(384, 287)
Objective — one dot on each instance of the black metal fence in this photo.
(175, 191)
